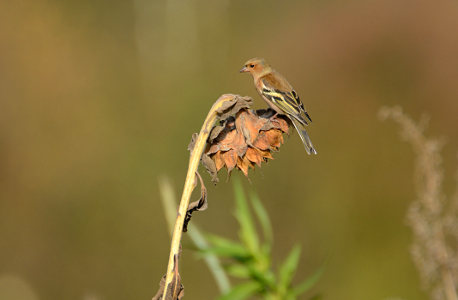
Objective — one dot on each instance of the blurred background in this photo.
(98, 99)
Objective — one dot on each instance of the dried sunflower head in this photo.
(243, 138)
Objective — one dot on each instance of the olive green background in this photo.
(98, 99)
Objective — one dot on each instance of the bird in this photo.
(280, 96)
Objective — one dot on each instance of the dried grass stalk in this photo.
(432, 216)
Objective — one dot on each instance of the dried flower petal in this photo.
(254, 155)
(230, 159)
(219, 162)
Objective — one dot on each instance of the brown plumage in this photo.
(280, 96)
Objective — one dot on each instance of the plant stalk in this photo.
(447, 277)
(212, 261)
(194, 160)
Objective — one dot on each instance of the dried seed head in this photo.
(244, 141)
(242, 138)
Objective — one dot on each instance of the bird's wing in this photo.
(275, 88)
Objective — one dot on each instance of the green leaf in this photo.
(266, 278)
(288, 268)
(263, 218)
(308, 283)
(222, 242)
(242, 291)
(237, 254)
(227, 248)
(250, 270)
(238, 270)
(247, 232)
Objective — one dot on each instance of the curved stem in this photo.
(170, 207)
(194, 160)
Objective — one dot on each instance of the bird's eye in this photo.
(251, 66)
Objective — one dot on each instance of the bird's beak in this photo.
(243, 70)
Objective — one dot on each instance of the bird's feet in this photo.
(274, 115)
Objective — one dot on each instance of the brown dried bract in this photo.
(244, 140)
(199, 205)
(175, 288)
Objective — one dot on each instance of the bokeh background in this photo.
(98, 99)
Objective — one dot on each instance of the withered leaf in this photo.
(219, 162)
(282, 124)
(192, 143)
(216, 130)
(275, 138)
(262, 142)
(211, 167)
(254, 155)
(226, 141)
(243, 164)
(230, 108)
(242, 103)
(227, 105)
(230, 158)
(160, 291)
(266, 154)
(199, 205)
(176, 288)
(247, 128)
(223, 141)
(278, 123)
(174, 293)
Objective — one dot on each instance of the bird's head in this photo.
(256, 66)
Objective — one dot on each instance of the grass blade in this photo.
(227, 248)
(263, 218)
(242, 291)
(308, 283)
(288, 268)
(248, 233)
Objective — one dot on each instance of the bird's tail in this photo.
(300, 128)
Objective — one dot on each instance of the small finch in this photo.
(280, 96)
